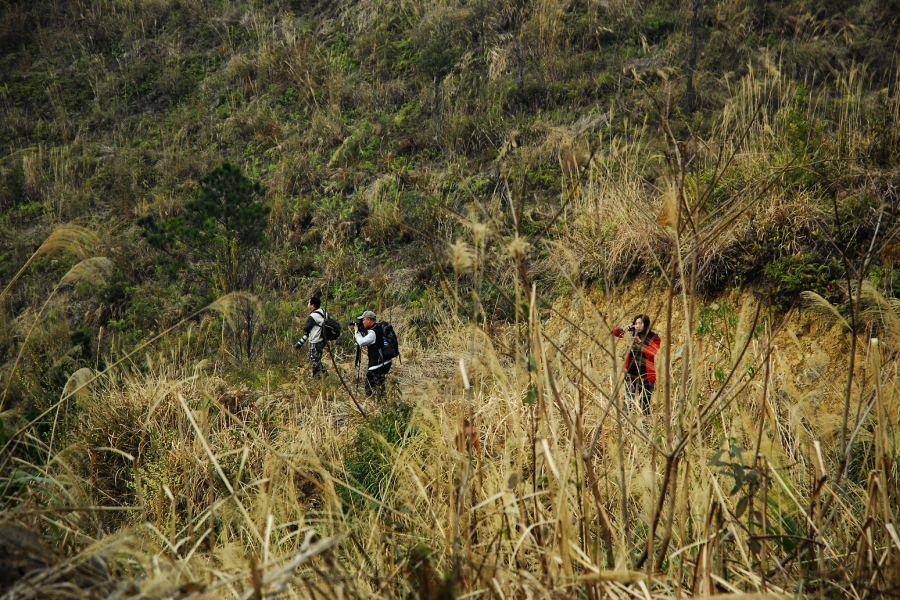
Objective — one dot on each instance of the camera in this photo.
(358, 323)
(631, 329)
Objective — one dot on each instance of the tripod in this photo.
(357, 365)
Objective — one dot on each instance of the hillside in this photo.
(505, 182)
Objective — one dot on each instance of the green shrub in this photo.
(12, 187)
(795, 274)
(368, 460)
(658, 22)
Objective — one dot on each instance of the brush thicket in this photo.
(509, 463)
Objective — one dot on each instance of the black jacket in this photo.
(374, 346)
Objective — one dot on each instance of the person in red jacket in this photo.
(640, 368)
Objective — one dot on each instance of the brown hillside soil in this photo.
(812, 350)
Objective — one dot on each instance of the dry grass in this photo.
(521, 476)
(512, 505)
(65, 238)
(522, 472)
(91, 271)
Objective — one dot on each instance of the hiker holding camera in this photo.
(640, 368)
(314, 330)
(381, 351)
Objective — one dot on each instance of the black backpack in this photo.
(390, 347)
(331, 329)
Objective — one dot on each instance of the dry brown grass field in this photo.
(184, 462)
(515, 467)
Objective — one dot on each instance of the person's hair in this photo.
(315, 301)
(643, 318)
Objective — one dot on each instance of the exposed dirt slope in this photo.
(809, 359)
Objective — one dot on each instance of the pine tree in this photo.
(220, 235)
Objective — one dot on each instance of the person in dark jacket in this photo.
(640, 361)
(314, 334)
(372, 339)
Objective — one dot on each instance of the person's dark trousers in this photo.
(375, 380)
(638, 391)
(314, 354)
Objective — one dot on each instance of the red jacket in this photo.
(650, 350)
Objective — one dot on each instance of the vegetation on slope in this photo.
(438, 161)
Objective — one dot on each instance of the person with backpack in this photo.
(381, 345)
(316, 333)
